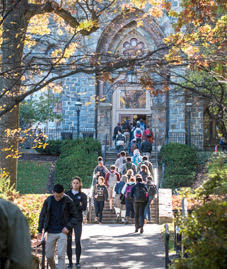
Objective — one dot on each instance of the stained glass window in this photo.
(133, 47)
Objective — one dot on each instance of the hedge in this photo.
(180, 165)
(77, 158)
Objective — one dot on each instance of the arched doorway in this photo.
(125, 98)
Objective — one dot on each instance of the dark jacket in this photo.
(69, 214)
(101, 191)
(78, 198)
(15, 241)
(146, 146)
(134, 189)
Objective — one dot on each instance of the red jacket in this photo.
(107, 178)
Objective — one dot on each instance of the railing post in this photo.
(184, 214)
(89, 216)
(166, 246)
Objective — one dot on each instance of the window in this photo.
(132, 99)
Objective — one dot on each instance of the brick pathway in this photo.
(117, 246)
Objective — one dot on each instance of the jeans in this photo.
(52, 240)
(147, 211)
(139, 214)
(99, 205)
(129, 208)
(77, 232)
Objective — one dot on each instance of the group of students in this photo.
(61, 214)
(130, 189)
(127, 136)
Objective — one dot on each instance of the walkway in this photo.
(117, 246)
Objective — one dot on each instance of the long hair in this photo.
(80, 181)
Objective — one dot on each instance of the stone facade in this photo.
(165, 113)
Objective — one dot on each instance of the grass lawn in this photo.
(32, 176)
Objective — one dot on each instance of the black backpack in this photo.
(140, 194)
(151, 189)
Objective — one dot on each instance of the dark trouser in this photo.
(99, 205)
(129, 208)
(139, 214)
(77, 232)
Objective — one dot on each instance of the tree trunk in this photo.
(14, 29)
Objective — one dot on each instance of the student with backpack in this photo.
(100, 195)
(140, 196)
(128, 165)
(126, 191)
(146, 148)
(138, 135)
(137, 158)
(144, 172)
(99, 171)
(152, 189)
(120, 161)
(111, 179)
(118, 204)
(148, 134)
(147, 163)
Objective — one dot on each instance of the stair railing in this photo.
(156, 180)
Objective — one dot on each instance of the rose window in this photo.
(133, 48)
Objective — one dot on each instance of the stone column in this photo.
(104, 124)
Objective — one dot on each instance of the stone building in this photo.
(168, 114)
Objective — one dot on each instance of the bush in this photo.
(53, 148)
(180, 165)
(205, 229)
(29, 204)
(78, 158)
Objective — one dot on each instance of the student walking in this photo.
(80, 203)
(110, 181)
(126, 191)
(100, 195)
(119, 206)
(139, 195)
(99, 171)
(152, 189)
(57, 218)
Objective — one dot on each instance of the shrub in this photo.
(180, 165)
(7, 192)
(78, 157)
(53, 148)
(205, 229)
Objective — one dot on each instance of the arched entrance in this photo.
(125, 98)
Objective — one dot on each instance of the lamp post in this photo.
(78, 105)
(188, 109)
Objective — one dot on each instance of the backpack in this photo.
(140, 194)
(148, 132)
(128, 191)
(101, 170)
(112, 179)
(151, 189)
(138, 133)
(126, 167)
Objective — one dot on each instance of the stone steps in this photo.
(111, 218)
